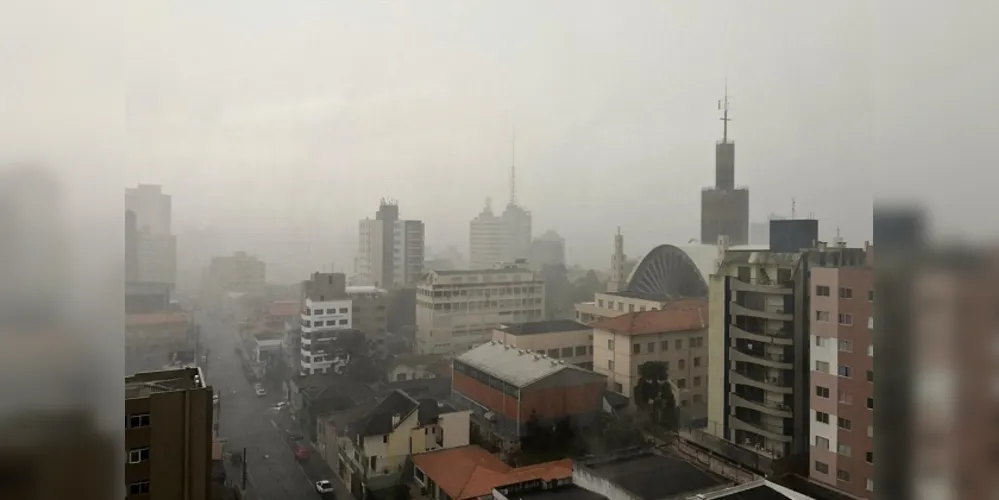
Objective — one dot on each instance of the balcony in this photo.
(777, 315)
(773, 432)
(768, 407)
(761, 382)
(761, 286)
(739, 333)
(778, 361)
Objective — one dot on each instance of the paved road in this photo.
(255, 423)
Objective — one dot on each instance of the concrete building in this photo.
(156, 340)
(759, 392)
(472, 473)
(506, 387)
(457, 310)
(644, 475)
(842, 377)
(564, 340)
(168, 435)
(149, 234)
(725, 208)
(674, 335)
(327, 311)
(415, 367)
(496, 239)
(390, 251)
(148, 298)
(547, 250)
(373, 449)
(239, 272)
(131, 247)
(613, 304)
(369, 310)
(152, 208)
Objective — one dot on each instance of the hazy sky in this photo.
(284, 122)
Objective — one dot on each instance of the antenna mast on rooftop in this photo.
(723, 106)
(513, 169)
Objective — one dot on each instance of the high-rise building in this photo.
(168, 435)
(239, 272)
(504, 239)
(547, 250)
(725, 208)
(155, 244)
(759, 395)
(390, 250)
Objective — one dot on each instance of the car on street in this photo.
(301, 452)
(260, 390)
(324, 486)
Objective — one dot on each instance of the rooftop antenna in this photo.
(513, 169)
(723, 106)
(792, 208)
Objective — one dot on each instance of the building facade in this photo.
(239, 272)
(168, 435)
(151, 246)
(390, 251)
(564, 340)
(547, 250)
(613, 304)
(156, 340)
(725, 208)
(506, 387)
(497, 239)
(369, 310)
(457, 310)
(675, 335)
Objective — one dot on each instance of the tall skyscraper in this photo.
(390, 251)
(502, 239)
(155, 244)
(725, 208)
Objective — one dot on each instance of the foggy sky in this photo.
(283, 123)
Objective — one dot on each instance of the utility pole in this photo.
(244, 468)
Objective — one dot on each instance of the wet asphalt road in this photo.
(256, 423)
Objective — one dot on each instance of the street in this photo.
(255, 422)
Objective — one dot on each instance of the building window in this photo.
(610, 344)
(822, 417)
(696, 342)
(652, 347)
(846, 346)
(822, 366)
(681, 383)
(589, 350)
(846, 293)
(870, 485)
(631, 308)
(138, 420)
(844, 423)
(138, 488)
(581, 350)
(870, 323)
(600, 303)
(870, 403)
(870, 431)
(697, 398)
(642, 308)
(697, 381)
(697, 361)
(553, 353)
(845, 319)
(343, 322)
(664, 346)
(610, 364)
(845, 450)
(822, 291)
(636, 349)
(870, 295)
(137, 455)
(566, 352)
(822, 316)
(844, 371)
(821, 468)
(331, 322)
(822, 392)
(343, 310)
(845, 398)
(843, 475)
(682, 364)
(678, 344)
(821, 341)
(870, 350)
(618, 388)
(870, 376)
(822, 443)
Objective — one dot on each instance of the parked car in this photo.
(302, 452)
(324, 486)
(260, 390)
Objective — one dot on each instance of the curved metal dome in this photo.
(668, 271)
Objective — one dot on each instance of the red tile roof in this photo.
(677, 316)
(155, 319)
(471, 471)
(283, 308)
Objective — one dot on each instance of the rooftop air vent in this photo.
(554, 363)
(537, 357)
(520, 352)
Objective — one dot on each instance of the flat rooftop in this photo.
(549, 326)
(656, 477)
(570, 492)
(629, 294)
(144, 384)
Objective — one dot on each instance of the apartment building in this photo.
(390, 251)
(239, 272)
(759, 394)
(674, 335)
(842, 378)
(458, 310)
(369, 310)
(561, 339)
(495, 239)
(373, 449)
(168, 435)
(611, 304)
(155, 340)
(151, 247)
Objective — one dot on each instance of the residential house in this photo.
(374, 448)
(313, 395)
(471, 472)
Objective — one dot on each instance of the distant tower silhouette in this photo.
(513, 169)
(724, 208)
(616, 283)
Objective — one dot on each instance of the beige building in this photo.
(239, 272)
(562, 339)
(612, 304)
(369, 310)
(390, 250)
(674, 335)
(458, 310)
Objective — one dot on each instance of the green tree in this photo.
(401, 492)
(654, 394)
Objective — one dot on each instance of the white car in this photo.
(324, 486)
(260, 390)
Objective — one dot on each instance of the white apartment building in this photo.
(390, 251)
(321, 319)
(494, 239)
(458, 310)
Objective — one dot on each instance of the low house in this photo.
(410, 367)
(313, 395)
(374, 448)
(471, 472)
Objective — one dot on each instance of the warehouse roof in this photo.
(547, 326)
(518, 367)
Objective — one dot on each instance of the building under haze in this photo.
(239, 272)
(499, 239)
(153, 247)
(390, 251)
(547, 250)
(725, 208)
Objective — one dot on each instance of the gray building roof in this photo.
(655, 477)
(548, 326)
(517, 367)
